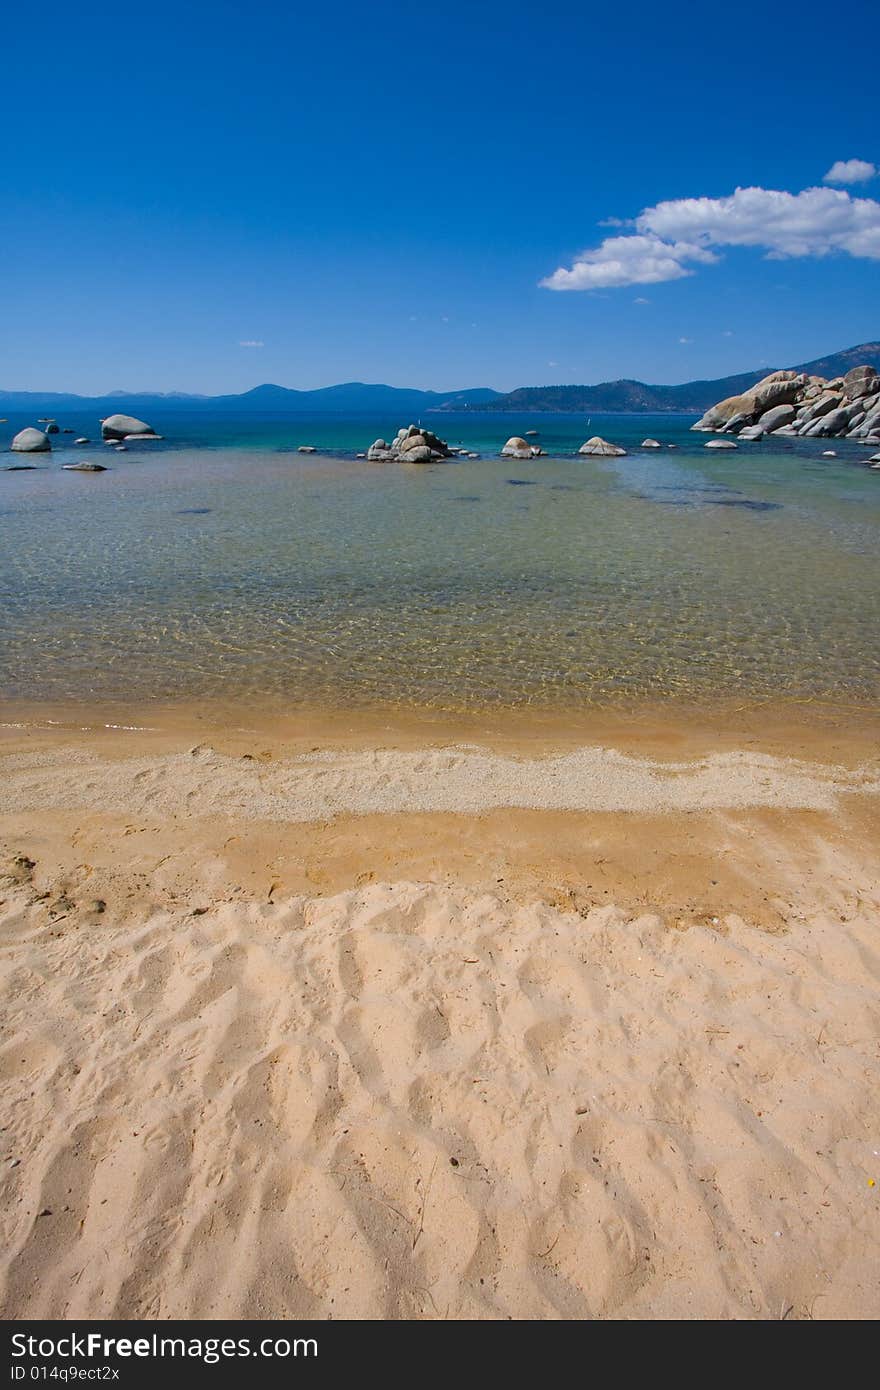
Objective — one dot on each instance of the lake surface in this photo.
(221, 563)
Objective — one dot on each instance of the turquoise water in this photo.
(221, 563)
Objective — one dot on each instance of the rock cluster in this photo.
(411, 445)
(792, 403)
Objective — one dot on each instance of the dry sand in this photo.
(439, 1022)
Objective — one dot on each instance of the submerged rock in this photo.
(307, 449)
(602, 448)
(120, 426)
(31, 441)
(84, 467)
(82, 440)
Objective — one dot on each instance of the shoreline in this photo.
(826, 730)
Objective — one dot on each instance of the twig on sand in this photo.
(424, 1205)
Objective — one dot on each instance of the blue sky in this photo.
(377, 193)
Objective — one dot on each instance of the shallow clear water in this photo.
(221, 563)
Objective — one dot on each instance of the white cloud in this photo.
(685, 340)
(627, 260)
(641, 300)
(850, 171)
(673, 235)
(251, 343)
(812, 223)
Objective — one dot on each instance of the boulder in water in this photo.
(517, 448)
(84, 467)
(651, 444)
(720, 444)
(119, 426)
(601, 448)
(31, 441)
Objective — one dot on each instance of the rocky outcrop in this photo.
(31, 441)
(792, 403)
(651, 444)
(122, 426)
(411, 445)
(519, 448)
(601, 447)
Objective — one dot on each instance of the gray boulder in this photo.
(828, 401)
(651, 444)
(752, 432)
(861, 381)
(31, 441)
(720, 444)
(84, 467)
(120, 426)
(777, 417)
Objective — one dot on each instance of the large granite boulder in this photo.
(777, 417)
(861, 381)
(601, 448)
(122, 426)
(31, 441)
(518, 448)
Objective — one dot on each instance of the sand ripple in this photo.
(414, 1101)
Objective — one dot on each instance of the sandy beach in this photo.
(430, 1017)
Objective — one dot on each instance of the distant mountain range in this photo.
(692, 396)
(350, 398)
(359, 398)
